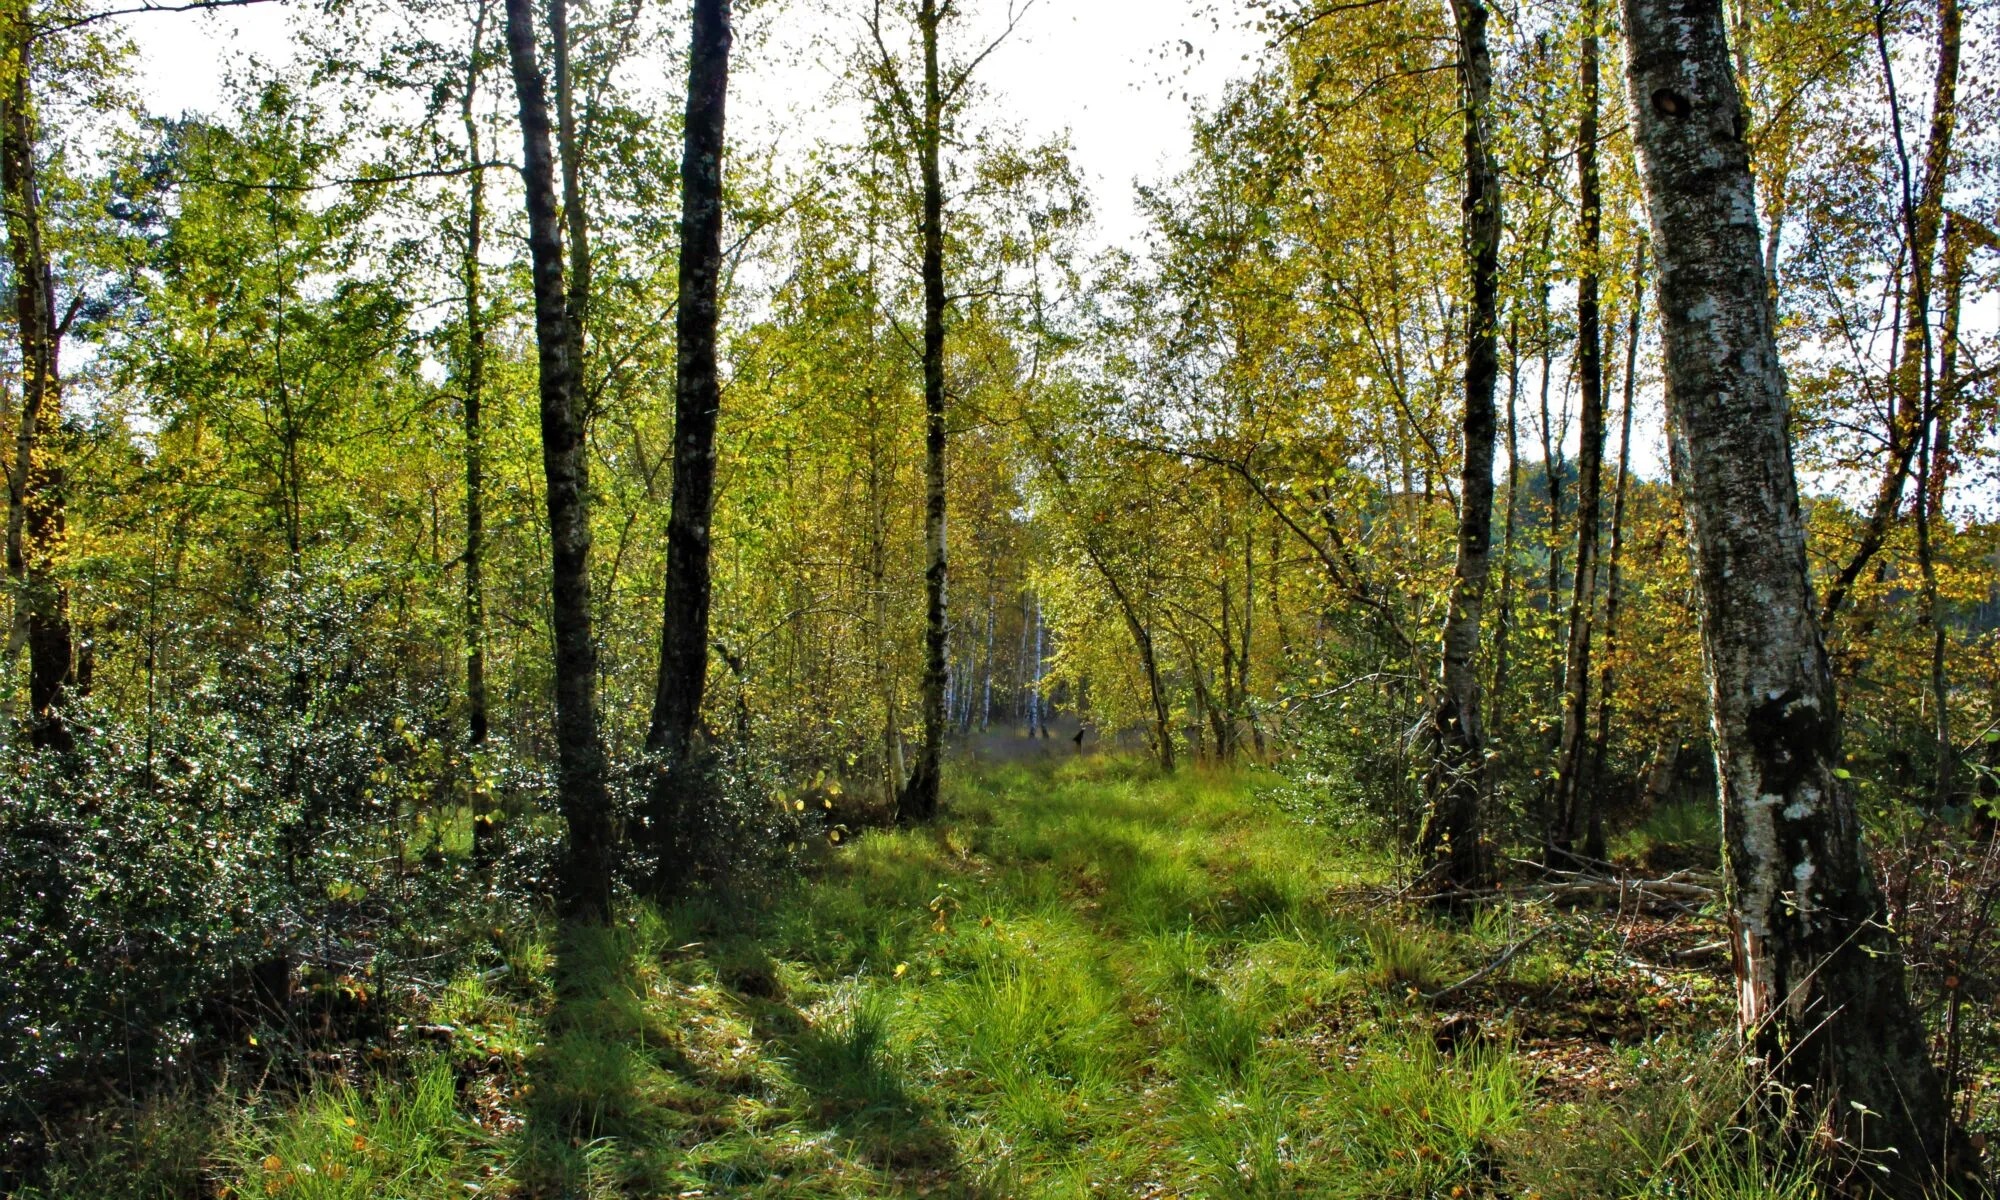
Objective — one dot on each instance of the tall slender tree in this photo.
(697, 389)
(472, 380)
(1450, 836)
(584, 795)
(1576, 810)
(1614, 574)
(1820, 987)
(37, 480)
(919, 800)
(1922, 216)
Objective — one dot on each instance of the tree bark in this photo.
(569, 148)
(683, 672)
(473, 412)
(1503, 634)
(1553, 468)
(474, 404)
(1607, 688)
(37, 514)
(1820, 984)
(584, 796)
(1450, 837)
(1938, 475)
(1576, 805)
(919, 801)
(986, 682)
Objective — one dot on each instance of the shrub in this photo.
(244, 866)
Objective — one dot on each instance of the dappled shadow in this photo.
(850, 1083)
(622, 1097)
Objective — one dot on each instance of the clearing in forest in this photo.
(1084, 980)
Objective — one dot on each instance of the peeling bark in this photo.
(1822, 1002)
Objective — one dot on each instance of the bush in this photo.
(727, 819)
(246, 866)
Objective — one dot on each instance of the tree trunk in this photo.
(1142, 641)
(1936, 478)
(919, 801)
(584, 797)
(1932, 617)
(683, 674)
(474, 401)
(1614, 575)
(1449, 839)
(1923, 212)
(1819, 979)
(576, 218)
(1552, 465)
(1503, 633)
(986, 682)
(1041, 708)
(36, 512)
(474, 383)
(1245, 703)
(1576, 804)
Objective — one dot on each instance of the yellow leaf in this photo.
(274, 1164)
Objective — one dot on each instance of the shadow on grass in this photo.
(625, 1098)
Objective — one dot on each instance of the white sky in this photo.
(1111, 72)
(1115, 74)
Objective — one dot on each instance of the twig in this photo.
(1498, 964)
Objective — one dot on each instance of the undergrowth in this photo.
(1082, 981)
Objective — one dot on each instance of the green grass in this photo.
(1082, 981)
(1672, 836)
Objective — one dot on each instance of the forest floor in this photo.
(1083, 981)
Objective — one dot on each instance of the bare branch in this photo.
(108, 14)
(964, 77)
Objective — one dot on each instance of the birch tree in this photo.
(1823, 1006)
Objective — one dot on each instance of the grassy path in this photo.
(1084, 981)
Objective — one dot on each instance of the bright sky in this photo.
(1111, 72)
(1115, 74)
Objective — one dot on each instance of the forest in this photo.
(561, 645)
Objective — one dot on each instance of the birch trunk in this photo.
(584, 797)
(1576, 805)
(683, 673)
(1449, 839)
(1820, 985)
(919, 801)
